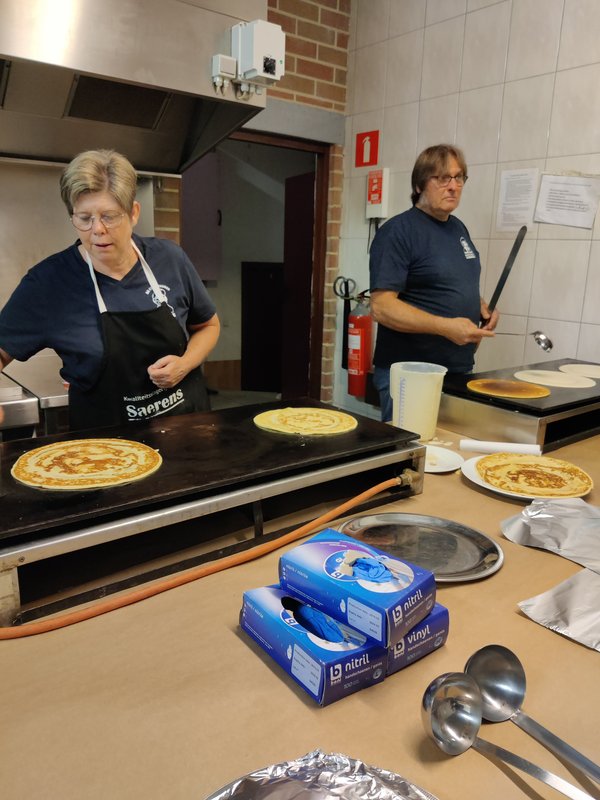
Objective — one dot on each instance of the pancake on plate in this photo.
(533, 476)
(80, 464)
(307, 421)
(504, 388)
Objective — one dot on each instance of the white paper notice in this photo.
(568, 200)
(517, 198)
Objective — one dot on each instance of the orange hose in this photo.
(80, 615)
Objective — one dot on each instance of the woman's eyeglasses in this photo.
(84, 222)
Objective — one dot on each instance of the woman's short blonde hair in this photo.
(433, 161)
(99, 171)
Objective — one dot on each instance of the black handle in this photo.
(507, 267)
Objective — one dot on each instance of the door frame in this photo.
(322, 169)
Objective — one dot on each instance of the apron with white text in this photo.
(133, 340)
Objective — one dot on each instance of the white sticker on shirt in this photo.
(467, 248)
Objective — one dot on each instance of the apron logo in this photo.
(157, 407)
(467, 248)
(158, 301)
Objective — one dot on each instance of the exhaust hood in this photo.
(133, 75)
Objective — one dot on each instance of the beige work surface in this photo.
(168, 699)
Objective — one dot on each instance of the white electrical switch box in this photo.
(223, 67)
(378, 189)
(259, 48)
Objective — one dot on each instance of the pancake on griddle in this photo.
(550, 377)
(82, 464)
(534, 476)
(504, 388)
(307, 421)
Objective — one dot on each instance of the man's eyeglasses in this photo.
(84, 222)
(444, 180)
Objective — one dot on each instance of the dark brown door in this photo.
(298, 239)
(262, 312)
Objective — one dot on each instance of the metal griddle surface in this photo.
(559, 399)
(202, 453)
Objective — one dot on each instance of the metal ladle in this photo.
(542, 340)
(501, 680)
(451, 713)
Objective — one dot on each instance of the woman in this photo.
(129, 316)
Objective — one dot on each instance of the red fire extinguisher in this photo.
(360, 339)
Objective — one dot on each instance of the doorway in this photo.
(259, 176)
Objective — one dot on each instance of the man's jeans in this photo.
(381, 381)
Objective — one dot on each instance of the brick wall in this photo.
(316, 45)
(317, 38)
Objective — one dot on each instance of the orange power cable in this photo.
(235, 560)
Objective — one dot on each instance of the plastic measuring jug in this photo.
(416, 390)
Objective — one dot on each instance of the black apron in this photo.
(133, 340)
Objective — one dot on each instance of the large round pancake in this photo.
(504, 388)
(307, 421)
(549, 377)
(534, 476)
(79, 464)
(587, 370)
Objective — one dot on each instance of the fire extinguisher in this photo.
(360, 340)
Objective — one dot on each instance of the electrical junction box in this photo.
(378, 189)
(224, 67)
(259, 48)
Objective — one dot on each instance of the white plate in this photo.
(548, 377)
(469, 470)
(438, 459)
(587, 370)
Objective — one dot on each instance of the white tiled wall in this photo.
(515, 83)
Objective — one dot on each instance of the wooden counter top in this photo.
(169, 699)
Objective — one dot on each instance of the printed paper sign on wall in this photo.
(367, 149)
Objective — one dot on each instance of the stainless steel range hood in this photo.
(133, 75)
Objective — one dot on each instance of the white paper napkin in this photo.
(500, 447)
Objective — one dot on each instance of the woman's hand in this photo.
(170, 370)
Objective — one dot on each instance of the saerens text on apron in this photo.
(143, 407)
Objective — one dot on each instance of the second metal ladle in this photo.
(501, 680)
(451, 713)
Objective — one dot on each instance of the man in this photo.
(425, 273)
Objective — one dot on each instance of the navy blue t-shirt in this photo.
(434, 266)
(55, 305)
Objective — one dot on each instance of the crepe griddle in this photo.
(559, 399)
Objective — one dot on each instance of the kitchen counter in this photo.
(167, 698)
(41, 376)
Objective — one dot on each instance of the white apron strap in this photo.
(147, 272)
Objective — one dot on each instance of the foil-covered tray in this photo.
(321, 776)
(453, 552)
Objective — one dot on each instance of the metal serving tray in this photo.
(453, 552)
